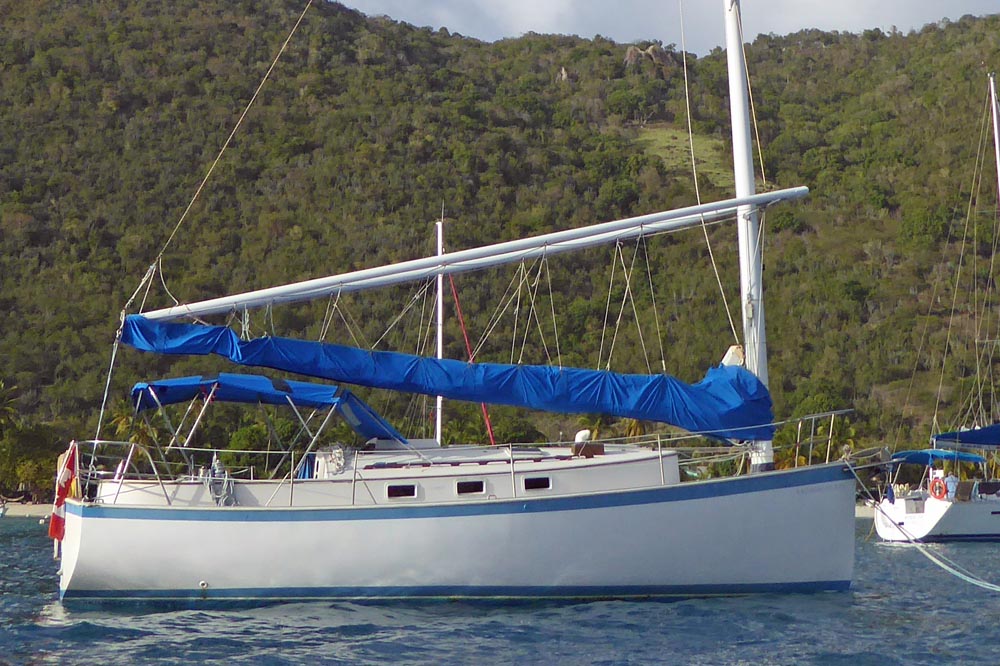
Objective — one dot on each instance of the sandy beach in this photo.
(17, 510)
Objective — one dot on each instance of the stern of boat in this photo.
(909, 518)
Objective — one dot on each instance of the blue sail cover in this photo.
(729, 403)
(984, 437)
(930, 456)
(255, 389)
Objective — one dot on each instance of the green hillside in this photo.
(112, 112)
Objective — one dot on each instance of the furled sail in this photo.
(729, 403)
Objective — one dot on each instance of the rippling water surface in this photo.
(902, 610)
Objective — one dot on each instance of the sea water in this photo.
(902, 609)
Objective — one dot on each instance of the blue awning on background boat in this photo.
(930, 456)
(730, 402)
(257, 389)
(984, 437)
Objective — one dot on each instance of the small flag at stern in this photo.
(65, 482)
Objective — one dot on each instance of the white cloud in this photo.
(631, 20)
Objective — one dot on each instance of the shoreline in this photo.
(18, 510)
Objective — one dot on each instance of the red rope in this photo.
(468, 350)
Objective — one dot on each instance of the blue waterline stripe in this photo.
(458, 592)
(675, 493)
(960, 537)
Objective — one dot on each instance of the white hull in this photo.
(924, 518)
(779, 531)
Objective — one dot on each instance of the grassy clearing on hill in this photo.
(672, 145)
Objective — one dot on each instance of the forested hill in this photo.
(112, 112)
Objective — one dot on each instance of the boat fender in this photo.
(938, 489)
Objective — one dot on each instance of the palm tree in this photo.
(8, 410)
(129, 426)
(593, 423)
(633, 428)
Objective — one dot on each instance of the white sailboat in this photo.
(947, 508)
(411, 519)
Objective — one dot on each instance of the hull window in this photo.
(404, 490)
(537, 483)
(470, 487)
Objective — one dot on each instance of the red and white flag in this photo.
(64, 482)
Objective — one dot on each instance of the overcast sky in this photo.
(631, 20)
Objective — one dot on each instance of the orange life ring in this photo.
(938, 489)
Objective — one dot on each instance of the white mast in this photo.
(996, 126)
(476, 258)
(440, 324)
(751, 289)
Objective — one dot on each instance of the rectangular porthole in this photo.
(470, 487)
(403, 490)
(537, 483)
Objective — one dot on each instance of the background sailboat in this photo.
(953, 508)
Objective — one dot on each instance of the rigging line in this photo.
(497, 316)
(145, 294)
(344, 315)
(631, 298)
(607, 307)
(107, 384)
(468, 349)
(536, 308)
(652, 298)
(533, 316)
(418, 295)
(525, 284)
(753, 110)
(989, 350)
(245, 325)
(236, 128)
(552, 308)
(635, 310)
(426, 317)
(527, 317)
(975, 396)
(418, 405)
(166, 289)
(517, 309)
(954, 305)
(924, 336)
(621, 309)
(417, 410)
(975, 187)
(697, 190)
(331, 306)
(145, 281)
(687, 103)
